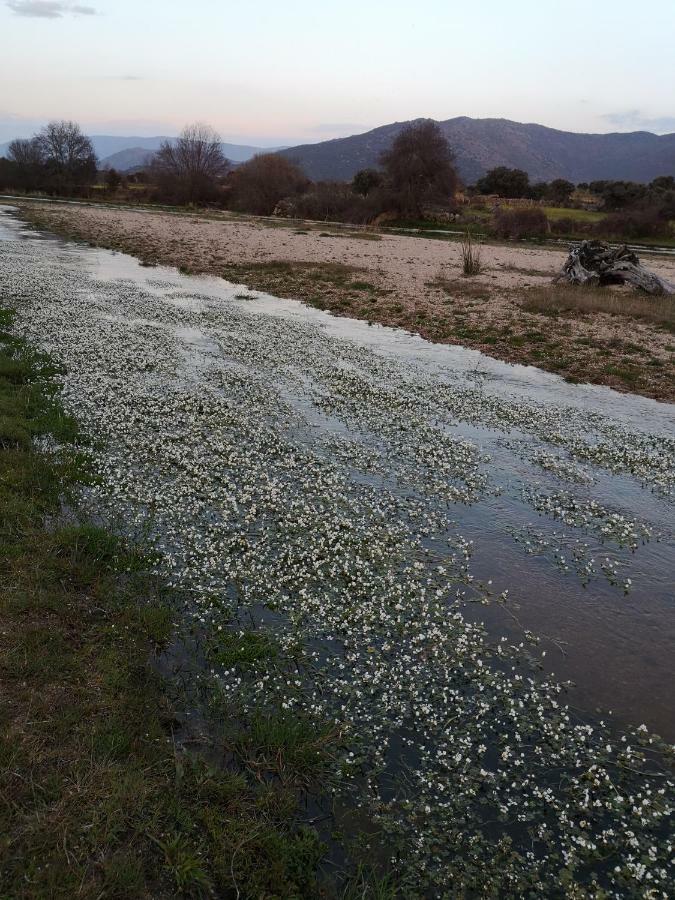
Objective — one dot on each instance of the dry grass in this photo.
(459, 288)
(354, 235)
(471, 262)
(554, 299)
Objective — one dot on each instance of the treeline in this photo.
(60, 159)
(416, 180)
(417, 174)
(611, 195)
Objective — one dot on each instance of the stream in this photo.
(437, 536)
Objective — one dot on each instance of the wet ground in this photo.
(372, 498)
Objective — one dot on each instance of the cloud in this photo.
(636, 119)
(48, 9)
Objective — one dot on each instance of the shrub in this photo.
(366, 180)
(261, 183)
(505, 182)
(471, 264)
(335, 201)
(515, 224)
(646, 223)
(568, 225)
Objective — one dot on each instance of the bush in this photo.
(366, 180)
(335, 201)
(514, 224)
(505, 182)
(646, 223)
(261, 183)
(568, 225)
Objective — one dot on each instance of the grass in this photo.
(458, 287)
(580, 215)
(555, 299)
(471, 262)
(96, 798)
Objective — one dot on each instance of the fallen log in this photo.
(594, 262)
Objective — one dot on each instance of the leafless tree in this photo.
(68, 155)
(259, 184)
(26, 152)
(191, 165)
(27, 164)
(419, 167)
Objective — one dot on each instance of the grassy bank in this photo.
(98, 797)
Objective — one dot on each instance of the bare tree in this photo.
(190, 166)
(27, 160)
(26, 152)
(419, 167)
(67, 154)
(259, 184)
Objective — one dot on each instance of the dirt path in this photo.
(415, 283)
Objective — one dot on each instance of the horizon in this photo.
(96, 65)
(271, 145)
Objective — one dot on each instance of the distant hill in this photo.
(126, 160)
(481, 144)
(125, 153)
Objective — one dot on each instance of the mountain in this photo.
(126, 160)
(125, 153)
(481, 144)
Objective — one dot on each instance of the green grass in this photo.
(96, 797)
(554, 213)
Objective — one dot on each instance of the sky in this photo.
(272, 72)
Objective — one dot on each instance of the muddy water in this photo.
(611, 632)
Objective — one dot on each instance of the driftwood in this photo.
(594, 262)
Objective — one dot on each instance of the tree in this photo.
(68, 156)
(419, 168)
(505, 182)
(538, 190)
(365, 181)
(113, 180)
(259, 184)
(28, 164)
(560, 190)
(663, 183)
(190, 167)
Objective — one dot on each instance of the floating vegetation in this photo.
(590, 515)
(571, 554)
(306, 495)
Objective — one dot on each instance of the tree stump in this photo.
(594, 262)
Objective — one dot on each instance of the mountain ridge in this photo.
(482, 144)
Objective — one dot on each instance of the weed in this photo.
(471, 257)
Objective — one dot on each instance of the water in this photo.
(283, 458)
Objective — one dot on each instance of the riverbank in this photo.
(103, 792)
(510, 311)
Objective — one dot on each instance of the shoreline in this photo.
(408, 282)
